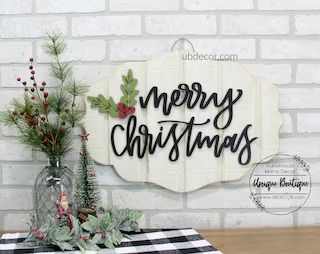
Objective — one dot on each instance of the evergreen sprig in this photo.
(43, 118)
(55, 47)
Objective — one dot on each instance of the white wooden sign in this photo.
(182, 124)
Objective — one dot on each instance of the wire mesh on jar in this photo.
(53, 180)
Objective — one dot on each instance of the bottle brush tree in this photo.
(86, 191)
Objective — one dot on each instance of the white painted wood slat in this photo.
(257, 106)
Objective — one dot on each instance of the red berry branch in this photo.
(45, 119)
(40, 99)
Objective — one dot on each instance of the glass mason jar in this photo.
(51, 182)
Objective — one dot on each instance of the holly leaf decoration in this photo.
(128, 89)
(104, 105)
(123, 108)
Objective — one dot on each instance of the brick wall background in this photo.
(277, 39)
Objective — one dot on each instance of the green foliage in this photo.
(116, 221)
(44, 118)
(85, 184)
(108, 229)
(104, 105)
(55, 47)
(129, 93)
(128, 89)
(113, 224)
(63, 237)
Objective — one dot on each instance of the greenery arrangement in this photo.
(127, 101)
(86, 192)
(108, 229)
(45, 119)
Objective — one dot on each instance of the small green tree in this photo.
(86, 190)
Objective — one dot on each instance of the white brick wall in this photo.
(144, 5)
(220, 198)
(63, 6)
(275, 39)
(256, 219)
(308, 73)
(315, 164)
(9, 74)
(313, 200)
(16, 221)
(276, 73)
(307, 24)
(16, 7)
(290, 49)
(287, 125)
(15, 52)
(11, 150)
(16, 199)
(80, 50)
(121, 50)
(185, 220)
(244, 48)
(181, 24)
(308, 122)
(299, 98)
(106, 25)
(254, 24)
(308, 147)
(147, 199)
(204, 5)
(288, 5)
(19, 174)
(306, 218)
(29, 27)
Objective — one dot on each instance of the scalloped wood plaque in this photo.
(216, 122)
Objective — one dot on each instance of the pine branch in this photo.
(45, 120)
(75, 89)
(55, 47)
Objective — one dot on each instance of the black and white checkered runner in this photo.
(165, 241)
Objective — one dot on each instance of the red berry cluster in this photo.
(33, 90)
(37, 234)
(125, 111)
(40, 96)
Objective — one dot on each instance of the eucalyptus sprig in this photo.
(108, 230)
(45, 117)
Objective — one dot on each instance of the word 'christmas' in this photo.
(140, 140)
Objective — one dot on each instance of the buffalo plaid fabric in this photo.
(165, 241)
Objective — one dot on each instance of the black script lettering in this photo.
(191, 97)
(233, 142)
(140, 140)
(132, 141)
(230, 102)
(261, 184)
